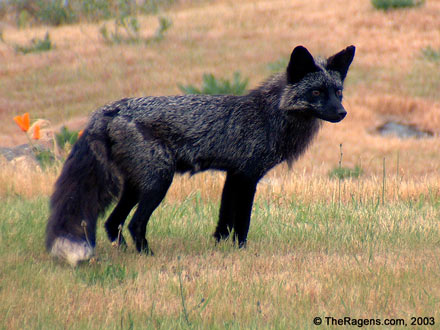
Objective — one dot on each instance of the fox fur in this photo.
(132, 148)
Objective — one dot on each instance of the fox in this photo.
(131, 149)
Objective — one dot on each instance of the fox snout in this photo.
(342, 113)
(330, 110)
(337, 116)
(334, 116)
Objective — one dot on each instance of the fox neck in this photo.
(297, 135)
(291, 133)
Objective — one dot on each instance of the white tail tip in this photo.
(71, 251)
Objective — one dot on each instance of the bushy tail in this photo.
(87, 185)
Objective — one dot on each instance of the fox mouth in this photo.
(333, 117)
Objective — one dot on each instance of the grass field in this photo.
(360, 259)
(365, 248)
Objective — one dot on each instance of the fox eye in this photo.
(316, 93)
(339, 93)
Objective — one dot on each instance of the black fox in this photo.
(132, 148)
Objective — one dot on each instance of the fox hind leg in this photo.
(148, 165)
(129, 198)
(149, 200)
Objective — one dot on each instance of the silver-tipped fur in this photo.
(132, 148)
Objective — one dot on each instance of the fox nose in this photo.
(342, 113)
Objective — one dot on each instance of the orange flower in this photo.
(80, 133)
(36, 135)
(23, 122)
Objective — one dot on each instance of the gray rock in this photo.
(403, 131)
(21, 150)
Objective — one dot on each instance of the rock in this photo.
(21, 150)
(402, 130)
(22, 156)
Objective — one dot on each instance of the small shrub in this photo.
(66, 136)
(214, 86)
(345, 172)
(396, 4)
(55, 12)
(431, 54)
(36, 45)
(164, 25)
(125, 30)
(95, 10)
(45, 158)
(23, 19)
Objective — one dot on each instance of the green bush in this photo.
(45, 158)
(55, 12)
(164, 24)
(214, 86)
(95, 10)
(431, 54)
(395, 4)
(36, 45)
(66, 136)
(125, 30)
(23, 19)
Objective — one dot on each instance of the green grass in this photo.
(359, 259)
(346, 172)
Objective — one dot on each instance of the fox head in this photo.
(315, 87)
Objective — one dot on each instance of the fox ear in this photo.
(341, 61)
(301, 63)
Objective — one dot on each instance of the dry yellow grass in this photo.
(24, 178)
(28, 180)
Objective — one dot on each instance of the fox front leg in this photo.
(236, 206)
